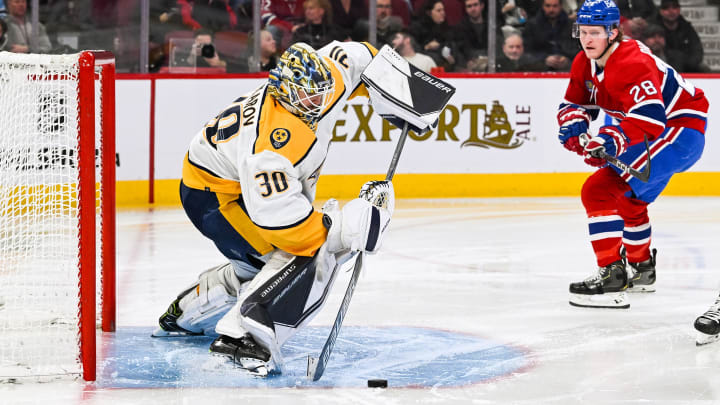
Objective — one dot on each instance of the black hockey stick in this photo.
(642, 176)
(316, 365)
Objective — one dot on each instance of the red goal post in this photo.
(57, 211)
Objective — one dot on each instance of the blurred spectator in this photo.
(268, 51)
(681, 36)
(454, 11)
(548, 37)
(279, 17)
(351, 17)
(3, 37)
(405, 45)
(204, 51)
(126, 49)
(404, 10)
(637, 8)
(513, 57)
(165, 16)
(67, 15)
(434, 34)
(165, 22)
(531, 7)
(654, 38)
(213, 15)
(318, 29)
(633, 27)
(387, 23)
(513, 15)
(244, 11)
(20, 30)
(472, 35)
(571, 7)
(68, 24)
(3, 11)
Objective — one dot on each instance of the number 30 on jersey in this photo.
(271, 183)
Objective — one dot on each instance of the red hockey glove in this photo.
(611, 139)
(573, 121)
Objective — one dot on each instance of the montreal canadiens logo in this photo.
(279, 137)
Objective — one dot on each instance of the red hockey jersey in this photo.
(640, 90)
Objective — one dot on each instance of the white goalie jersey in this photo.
(258, 149)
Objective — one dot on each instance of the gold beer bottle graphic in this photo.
(497, 132)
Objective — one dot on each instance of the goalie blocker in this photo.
(400, 92)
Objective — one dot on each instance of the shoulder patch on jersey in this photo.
(278, 140)
(589, 85)
(279, 137)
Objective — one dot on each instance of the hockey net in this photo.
(57, 218)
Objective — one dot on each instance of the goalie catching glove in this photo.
(362, 222)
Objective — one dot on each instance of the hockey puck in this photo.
(377, 383)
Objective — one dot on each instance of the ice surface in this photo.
(458, 277)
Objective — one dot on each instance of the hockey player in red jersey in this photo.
(647, 98)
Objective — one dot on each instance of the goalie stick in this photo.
(316, 365)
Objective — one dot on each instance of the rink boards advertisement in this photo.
(491, 126)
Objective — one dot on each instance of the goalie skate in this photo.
(708, 325)
(245, 353)
(605, 289)
(168, 323)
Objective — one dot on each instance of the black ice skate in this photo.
(606, 289)
(168, 320)
(708, 325)
(244, 352)
(642, 277)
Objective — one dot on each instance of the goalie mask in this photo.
(302, 82)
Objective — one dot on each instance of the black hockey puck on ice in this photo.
(377, 383)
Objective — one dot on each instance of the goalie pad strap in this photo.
(374, 232)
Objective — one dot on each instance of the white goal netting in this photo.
(39, 211)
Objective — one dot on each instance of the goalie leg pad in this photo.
(197, 309)
(287, 294)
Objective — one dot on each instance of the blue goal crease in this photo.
(405, 356)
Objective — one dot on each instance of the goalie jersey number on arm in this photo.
(258, 148)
